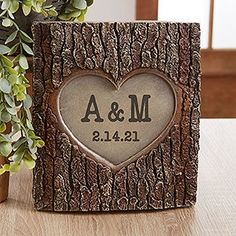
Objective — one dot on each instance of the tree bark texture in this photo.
(65, 178)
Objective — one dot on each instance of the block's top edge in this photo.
(117, 22)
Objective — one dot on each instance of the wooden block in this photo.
(118, 107)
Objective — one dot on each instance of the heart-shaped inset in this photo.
(116, 123)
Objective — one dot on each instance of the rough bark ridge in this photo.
(65, 179)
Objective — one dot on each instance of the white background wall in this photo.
(224, 31)
(112, 10)
(187, 11)
(224, 28)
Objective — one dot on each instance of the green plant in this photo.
(20, 143)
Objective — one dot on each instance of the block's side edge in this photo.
(43, 172)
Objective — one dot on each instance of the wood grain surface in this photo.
(218, 96)
(146, 10)
(214, 213)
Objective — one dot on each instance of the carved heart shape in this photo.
(85, 103)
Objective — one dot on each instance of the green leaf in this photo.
(34, 156)
(80, 4)
(14, 6)
(11, 37)
(20, 96)
(3, 127)
(15, 119)
(15, 89)
(4, 49)
(19, 143)
(5, 116)
(9, 100)
(11, 15)
(27, 49)
(3, 13)
(89, 2)
(7, 61)
(2, 171)
(37, 8)
(4, 168)
(33, 150)
(2, 106)
(52, 12)
(15, 128)
(26, 9)
(5, 149)
(82, 15)
(40, 143)
(19, 153)
(32, 134)
(23, 62)
(28, 2)
(12, 79)
(5, 86)
(64, 17)
(27, 102)
(11, 110)
(7, 22)
(29, 124)
(14, 167)
(5, 138)
(11, 70)
(29, 163)
(5, 5)
(13, 49)
(28, 114)
(26, 37)
(74, 14)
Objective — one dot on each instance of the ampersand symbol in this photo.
(114, 114)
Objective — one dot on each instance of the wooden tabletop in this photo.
(214, 213)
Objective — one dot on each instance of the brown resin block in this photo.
(117, 105)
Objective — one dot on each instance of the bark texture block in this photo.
(66, 177)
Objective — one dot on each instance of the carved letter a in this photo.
(90, 111)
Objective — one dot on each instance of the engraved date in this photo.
(107, 136)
